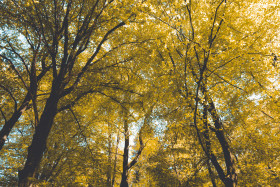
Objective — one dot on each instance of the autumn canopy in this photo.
(139, 93)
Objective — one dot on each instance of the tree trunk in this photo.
(115, 161)
(207, 141)
(109, 169)
(230, 182)
(38, 145)
(124, 182)
(231, 177)
(8, 126)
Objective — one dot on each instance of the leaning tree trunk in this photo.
(39, 141)
(231, 176)
(228, 177)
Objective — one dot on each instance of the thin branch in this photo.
(89, 61)
(14, 68)
(79, 97)
(17, 54)
(190, 19)
(11, 95)
(211, 72)
(211, 38)
(81, 131)
(267, 115)
(229, 82)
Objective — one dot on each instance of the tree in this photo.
(67, 29)
(198, 44)
(145, 126)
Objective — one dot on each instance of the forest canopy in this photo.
(139, 93)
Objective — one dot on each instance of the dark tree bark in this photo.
(127, 165)
(124, 182)
(230, 179)
(115, 160)
(39, 141)
(207, 141)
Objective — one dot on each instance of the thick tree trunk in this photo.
(8, 126)
(38, 145)
(124, 182)
(230, 182)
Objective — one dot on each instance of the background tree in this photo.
(197, 50)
